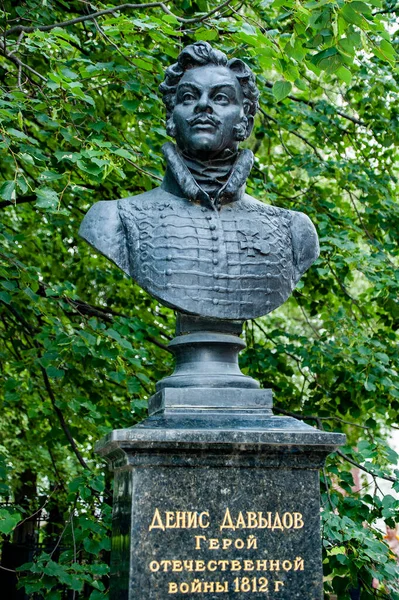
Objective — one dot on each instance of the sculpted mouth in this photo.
(203, 121)
(203, 124)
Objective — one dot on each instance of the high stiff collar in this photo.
(226, 185)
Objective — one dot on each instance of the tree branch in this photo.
(298, 135)
(39, 509)
(347, 294)
(313, 104)
(104, 35)
(296, 358)
(299, 417)
(317, 334)
(104, 314)
(362, 468)
(57, 473)
(84, 309)
(23, 200)
(391, 9)
(62, 420)
(366, 231)
(108, 11)
(318, 419)
(328, 489)
(19, 63)
(28, 328)
(344, 456)
(9, 570)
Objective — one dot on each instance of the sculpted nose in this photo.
(203, 104)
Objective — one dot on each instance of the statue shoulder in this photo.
(110, 224)
(251, 204)
(305, 243)
(102, 228)
(135, 206)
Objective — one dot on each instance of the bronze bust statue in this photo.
(199, 243)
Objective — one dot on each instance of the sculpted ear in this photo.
(249, 118)
(171, 127)
(242, 131)
(250, 124)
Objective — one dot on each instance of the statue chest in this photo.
(216, 263)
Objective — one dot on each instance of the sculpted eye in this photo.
(222, 98)
(188, 97)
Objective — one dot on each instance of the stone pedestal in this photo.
(216, 498)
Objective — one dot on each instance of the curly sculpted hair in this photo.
(201, 54)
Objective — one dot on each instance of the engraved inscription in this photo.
(179, 520)
(231, 574)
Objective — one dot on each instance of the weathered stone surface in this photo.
(234, 401)
(179, 468)
(207, 359)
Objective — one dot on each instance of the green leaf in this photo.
(96, 595)
(370, 387)
(5, 297)
(281, 90)
(77, 484)
(205, 34)
(361, 7)
(344, 74)
(9, 285)
(7, 191)
(92, 546)
(350, 15)
(8, 520)
(142, 64)
(329, 60)
(55, 373)
(130, 105)
(387, 49)
(47, 198)
(22, 184)
(50, 176)
(17, 134)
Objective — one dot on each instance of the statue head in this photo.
(210, 101)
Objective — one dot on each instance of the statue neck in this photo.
(213, 183)
(213, 174)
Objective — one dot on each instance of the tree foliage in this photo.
(82, 346)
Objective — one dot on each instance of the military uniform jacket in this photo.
(236, 258)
